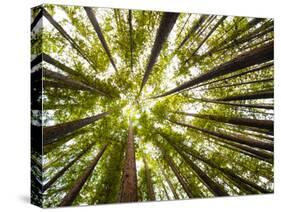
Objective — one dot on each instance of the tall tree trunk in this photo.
(207, 36)
(36, 19)
(129, 179)
(97, 28)
(267, 65)
(52, 133)
(265, 156)
(236, 138)
(255, 95)
(254, 188)
(251, 24)
(238, 84)
(52, 162)
(193, 29)
(166, 25)
(149, 182)
(171, 186)
(261, 106)
(67, 37)
(131, 38)
(64, 169)
(66, 81)
(259, 32)
(249, 58)
(78, 184)
(48, 59)
(252, 152)
(183, 183)
(264, 124)
(165, 190)
(216, 189)
(62, 140)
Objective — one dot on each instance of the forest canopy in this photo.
(146, 105)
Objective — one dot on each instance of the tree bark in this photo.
(265, 156)
(36, 19)
(64, 169)
(234, 137)
(52, 133)
(238, 84)
(249, 58)
(173, 166)
(129, 179)
(234, 76)
(52, 162)
(78, 184)
(131, 38)
(255, 95)
(97, 28)
(268, 27)
(165, 190)
(47, 58)
(269, 107)
(67, 82)
(60, 141)
(172, 188)
(166, 25)
(264, 124)
(207, 36)
(251, 24)
(226, 171)
(216, 189)
(193, 29)
(149, 182)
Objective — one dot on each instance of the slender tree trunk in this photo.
(267, 157)
(172, 188)
(78, 184)
(255, 95)
(47, 58)
(238, 84)
(192, 30)
(266, 28)
(236, 138)
(60, 141)
(149, 182)
(64, 169)
(173, 166)
(52, 133)
(267, 65)
(269, 107)
(52, 162)
(129, 179)
(67, 82)
(131, 38)
(207, 36)
(36, 19)
(264, 124)
(216, 189)
(67, 37)
(251, 24)
(182, 28)
(252, 187)
(166, 25)
(249, 58)
(97, 28)
(165, 190)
